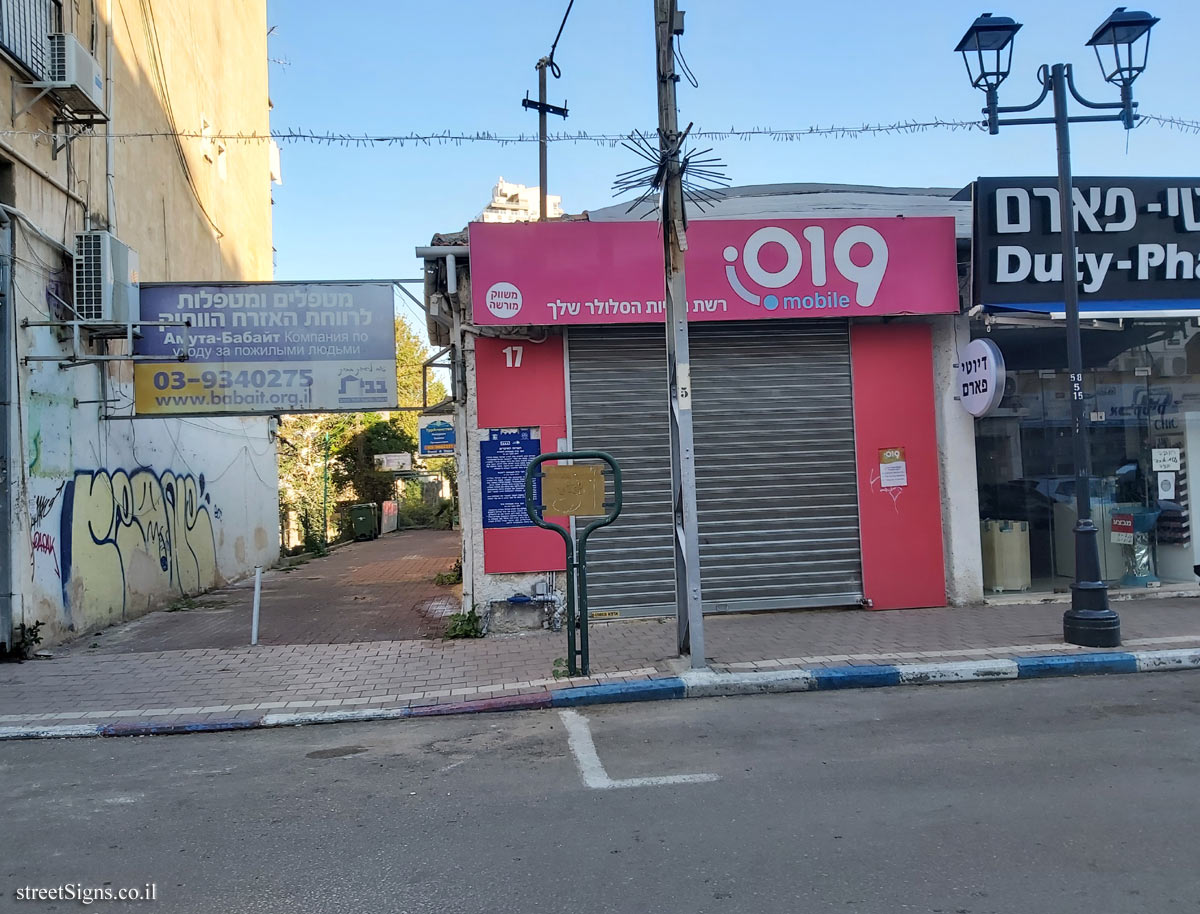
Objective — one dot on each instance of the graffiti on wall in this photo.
(134, 531)
(44, 543)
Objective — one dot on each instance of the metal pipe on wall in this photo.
(7, 345)
(42, 173)
(109, 180)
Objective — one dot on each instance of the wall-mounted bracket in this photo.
(69, 135)
(436, 361)
(97, 330)
(39, 89)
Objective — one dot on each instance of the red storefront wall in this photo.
(524, 391)
(901, 526)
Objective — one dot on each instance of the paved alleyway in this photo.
(369, 591)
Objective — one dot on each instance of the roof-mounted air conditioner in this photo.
(106, 280)
(75, 76)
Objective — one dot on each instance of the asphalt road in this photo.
(1050, 797)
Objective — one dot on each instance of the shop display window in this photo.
(1142, 398)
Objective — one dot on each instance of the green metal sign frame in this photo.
(577, 659)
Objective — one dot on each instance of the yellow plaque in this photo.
(577, 490)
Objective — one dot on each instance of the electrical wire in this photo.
(1175, 123)
(554, 68)
(243, 434)
(683, 64)
(459, 138)
(420, 315)
(154, 46)
(36, 229)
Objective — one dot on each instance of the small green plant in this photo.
(25, 640)
(560, 670)
(465, 625)
(183, 604)
(418, 516)
(314, 544)
(443, 518)
(453, 576)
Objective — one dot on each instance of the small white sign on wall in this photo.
(1166, 486)
(893, 468)
(1165, 459)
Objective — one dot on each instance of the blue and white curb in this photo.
(692, 684)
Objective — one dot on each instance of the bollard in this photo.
(257, 601)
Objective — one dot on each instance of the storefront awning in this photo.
(1178, 307)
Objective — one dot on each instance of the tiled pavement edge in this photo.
(175, 673)
(691, 684)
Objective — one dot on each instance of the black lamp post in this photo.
(987, 51)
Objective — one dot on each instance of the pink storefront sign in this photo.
(612, 272)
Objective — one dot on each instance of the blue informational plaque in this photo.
(437, 437)
(503, 458)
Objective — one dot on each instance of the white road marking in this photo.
(591, 769)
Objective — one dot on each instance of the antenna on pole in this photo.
(542, 108)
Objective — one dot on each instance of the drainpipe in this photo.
(462, 452)
(6, 367)
(109, 181)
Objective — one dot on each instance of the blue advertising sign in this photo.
(504, 457)
(255, 348)
(437, 437)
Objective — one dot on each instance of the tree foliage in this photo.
(353, 441)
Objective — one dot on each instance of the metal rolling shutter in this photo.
(775, 466)
(775, 469)
(619, 404)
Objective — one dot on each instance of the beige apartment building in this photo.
(517, 203)
(115, 123)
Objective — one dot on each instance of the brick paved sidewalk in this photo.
(191, 685)
(369, 591)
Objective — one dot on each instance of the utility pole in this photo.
(668, 22)
(541, 68)
(543, 109)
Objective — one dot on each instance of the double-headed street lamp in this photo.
(987, 52)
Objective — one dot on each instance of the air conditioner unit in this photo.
(106, 279)
(76, 78)
(1170, 366)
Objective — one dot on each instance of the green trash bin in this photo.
(363, 521)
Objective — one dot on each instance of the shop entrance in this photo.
(776, 482)
(1142, 394)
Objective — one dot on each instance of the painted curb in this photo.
(691, 684)
(610, 692)
(1076, 665)
(707, 684)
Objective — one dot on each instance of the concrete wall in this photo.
(956, 455)
(114, 516)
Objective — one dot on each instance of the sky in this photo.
(390, 67)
